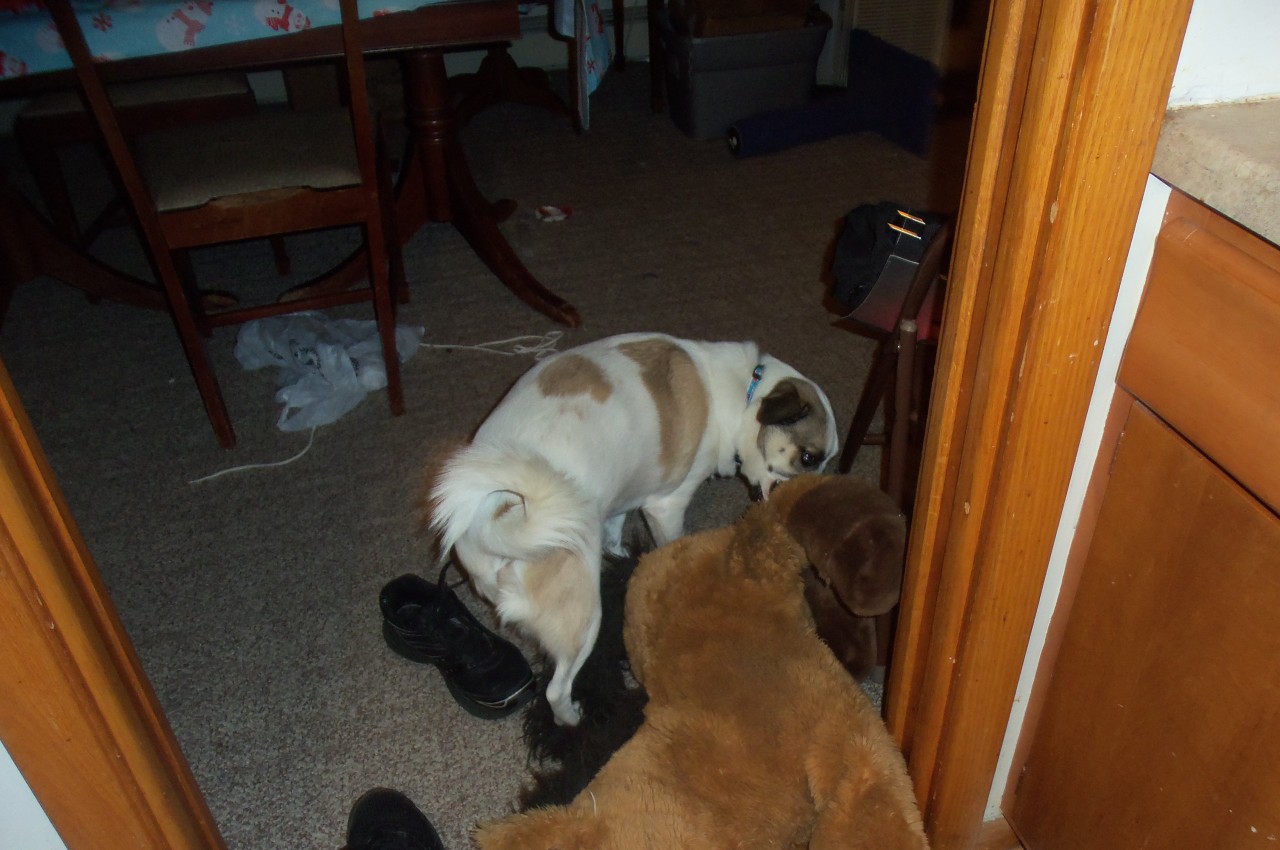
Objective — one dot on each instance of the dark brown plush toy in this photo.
(858, 580)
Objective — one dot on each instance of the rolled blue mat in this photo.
(770, 132)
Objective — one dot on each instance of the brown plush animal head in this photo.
(860, 559)
(754, 735)
(856, 575)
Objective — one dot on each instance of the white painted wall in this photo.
(22, 822)
(1229, 54)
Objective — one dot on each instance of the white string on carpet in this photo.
(306, 448)
(543, 345)
(539, 346)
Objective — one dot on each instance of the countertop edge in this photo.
(1227, 156)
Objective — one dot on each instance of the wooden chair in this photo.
(900, 313)
(237, 193)
(47, 124)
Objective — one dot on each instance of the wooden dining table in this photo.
(435, 185)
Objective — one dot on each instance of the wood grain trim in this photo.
(1204, 336)
(1096, 91)
(78, 716)
(994, 136)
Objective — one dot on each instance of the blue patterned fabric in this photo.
(119, 29)
(125, 29)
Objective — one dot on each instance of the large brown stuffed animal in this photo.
(754, 735)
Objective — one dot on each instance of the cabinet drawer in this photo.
(1204, 353)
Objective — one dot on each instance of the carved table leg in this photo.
(451, 192)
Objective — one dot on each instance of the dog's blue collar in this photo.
(756, 375)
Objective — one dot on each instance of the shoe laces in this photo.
(445, 569)
(472, 644)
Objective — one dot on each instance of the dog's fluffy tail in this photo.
(511, 504)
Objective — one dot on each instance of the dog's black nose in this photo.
(757, 493)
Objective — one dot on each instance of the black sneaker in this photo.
(383, 819)
(427, 622)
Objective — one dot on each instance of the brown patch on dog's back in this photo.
(573, 374)
(679, 397)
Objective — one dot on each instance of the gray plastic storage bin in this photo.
(713, 82)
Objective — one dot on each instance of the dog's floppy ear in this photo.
(784, 405)
(499, 504)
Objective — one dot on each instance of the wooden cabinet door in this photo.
(1160, 727)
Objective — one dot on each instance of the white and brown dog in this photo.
(585, 436)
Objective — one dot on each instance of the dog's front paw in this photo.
(569, 714)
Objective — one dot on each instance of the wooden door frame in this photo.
(78, 715)
(1071, 99)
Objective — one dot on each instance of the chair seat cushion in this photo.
(269, 151)
(144, 93)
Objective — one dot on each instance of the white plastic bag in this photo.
(326, 366)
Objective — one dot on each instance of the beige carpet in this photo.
(252, 598)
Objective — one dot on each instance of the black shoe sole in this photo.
(484, 708)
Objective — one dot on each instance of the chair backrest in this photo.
(887, 262)
(88, 74)
(94, 90)
(357, 91)
(923, 298)
(237, 202)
